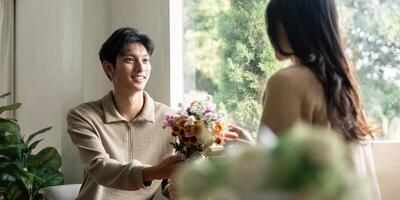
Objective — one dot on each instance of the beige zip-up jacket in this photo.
(114, 151)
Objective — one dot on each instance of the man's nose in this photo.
(139, 66)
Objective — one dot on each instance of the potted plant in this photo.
(23, 173)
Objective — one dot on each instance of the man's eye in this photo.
(129, 60)
(146, 60)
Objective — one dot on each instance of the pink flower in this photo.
(189, 134)
(209, 109)
(169, 120)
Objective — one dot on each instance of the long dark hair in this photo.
(311, 28)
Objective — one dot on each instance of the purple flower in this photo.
(169, 120)
(209, 110)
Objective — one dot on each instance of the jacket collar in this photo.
(111, 113)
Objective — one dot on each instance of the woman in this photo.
(320, 87)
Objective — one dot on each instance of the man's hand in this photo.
(164, 170)
(171, 190)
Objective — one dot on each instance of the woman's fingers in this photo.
(231, 135)
(236, 129)
(241, 133)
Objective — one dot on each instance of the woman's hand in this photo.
(238, 134)
(164, 170)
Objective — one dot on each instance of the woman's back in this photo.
(294, 94)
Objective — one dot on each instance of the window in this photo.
(226, 54)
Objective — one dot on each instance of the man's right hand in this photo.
(164, 170)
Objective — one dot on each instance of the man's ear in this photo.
(108, 68)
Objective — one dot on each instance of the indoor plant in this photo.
(23, 173)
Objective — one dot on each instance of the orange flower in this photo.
(174, 133)
(218, 140)
(219, 126)
(181, 122)
(194, 140)
(186, 140)
(175, 128)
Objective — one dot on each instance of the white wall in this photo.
(57, 66)
(150, 17)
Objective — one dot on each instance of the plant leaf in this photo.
(14, 192)
(25, 177)
(3, 190)
(9, 127)
(34, 144)
(46, 157)
(14, 164)
(12, 150)
(50, 176)
(37, 133)
(7, 177)
(4, 95)
(9, 139)
(10, 107)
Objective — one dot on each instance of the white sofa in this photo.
(61, 192)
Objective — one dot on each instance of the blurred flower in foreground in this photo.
(306, 163)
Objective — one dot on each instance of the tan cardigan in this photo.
(294, 94)
(114, 151)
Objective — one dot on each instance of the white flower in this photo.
(323, 147)
(248, 168)
(193, 181)
(190, 121)
(211, 126)
(209, 117)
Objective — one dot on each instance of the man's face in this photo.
(132, 70)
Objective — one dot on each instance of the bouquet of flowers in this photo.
(196, 127)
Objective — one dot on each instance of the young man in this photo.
(120, 138)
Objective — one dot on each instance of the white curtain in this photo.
(7, 51)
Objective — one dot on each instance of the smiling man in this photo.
(125, 151)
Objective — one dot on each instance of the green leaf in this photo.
(7, 177)
(10, 107)
(38, 197)
(9, 139)
(15, 164)
(26, 178)
(14, 192)
(4, 95)
(50, 176)
(13, 151)
(3, 190)
(34, 144)
(9, 127)
(46, 157)
(33, 135)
